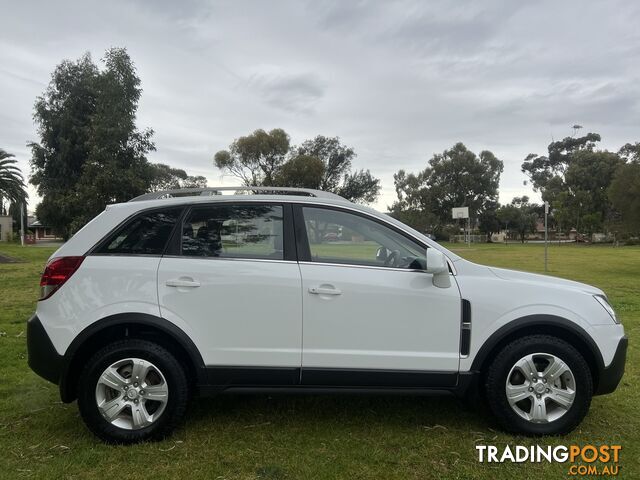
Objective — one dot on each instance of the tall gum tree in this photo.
(90, 151)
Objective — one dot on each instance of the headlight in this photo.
(602, 300)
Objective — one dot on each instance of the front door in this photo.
(235, 287)
(371, 316)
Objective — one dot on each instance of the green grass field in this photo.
(282, 437)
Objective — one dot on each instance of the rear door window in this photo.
(234, 231)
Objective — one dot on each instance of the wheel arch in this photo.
(127, 325)
(542, 324)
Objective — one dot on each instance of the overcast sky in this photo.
(397, 81)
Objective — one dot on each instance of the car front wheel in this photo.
(539, 385)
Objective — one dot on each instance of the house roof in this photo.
(34, 222)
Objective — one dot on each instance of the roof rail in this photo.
(210, 191)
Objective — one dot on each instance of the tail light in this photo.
(57, 271)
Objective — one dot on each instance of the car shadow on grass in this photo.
(300, 417)
(353, 410)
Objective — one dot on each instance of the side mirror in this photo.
(437, 265)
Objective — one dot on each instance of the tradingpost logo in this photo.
(583, 460)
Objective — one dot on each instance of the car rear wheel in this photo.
(132, 390)
(539, 385)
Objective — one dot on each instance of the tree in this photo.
(90, 152)
(63, 116)
(335, 157)
(359, 186)
(302, 171)
(336, 175)
(457, 177)
(624, 193)
(256, 158)
(488, 221)
(164, 177)
(574, 178)
(12, 187)
(630, 152)
(117, 168)
(416, 218)
(266, 159)
(547, 173)
(412, 206)
(519, 216)
(197, 181)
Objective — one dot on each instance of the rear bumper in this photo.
(43, 357)
(610, 376)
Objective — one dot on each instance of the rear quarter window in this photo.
(145, 234)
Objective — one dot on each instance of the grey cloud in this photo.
(462, 30)
(341, 15)
(295, 92)
(424, 28)
(173, 9)
(398, 80)
(21, 77)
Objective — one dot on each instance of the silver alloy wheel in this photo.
(132, 393)
(540, 388)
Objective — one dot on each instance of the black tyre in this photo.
(131, 391)
(539, 385)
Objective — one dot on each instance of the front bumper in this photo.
(43, 357)
(610, 377)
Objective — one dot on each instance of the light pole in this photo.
(546, 237)
(506, 233)
(22, 209)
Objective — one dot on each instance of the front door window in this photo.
(339, 237)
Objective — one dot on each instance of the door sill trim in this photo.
(226, 377)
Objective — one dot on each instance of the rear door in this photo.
(235, 285)
(372, 316)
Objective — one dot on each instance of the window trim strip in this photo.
(371, 267)
(233, 259)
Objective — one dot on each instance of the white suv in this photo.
(300, 291)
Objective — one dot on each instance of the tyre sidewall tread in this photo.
(501, 366)
(133, 348)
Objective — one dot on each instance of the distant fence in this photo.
(471, 238)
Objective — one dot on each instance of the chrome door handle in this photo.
(182, 282)
(324, 291)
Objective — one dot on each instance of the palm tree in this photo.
(12, 185)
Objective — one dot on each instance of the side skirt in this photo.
(229, 376)
(339, 377)
(233, 379)
(209, 391)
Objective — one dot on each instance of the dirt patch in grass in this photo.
(5, 259)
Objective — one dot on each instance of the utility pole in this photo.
(506, 233)
(22, 209)
(546, 236)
